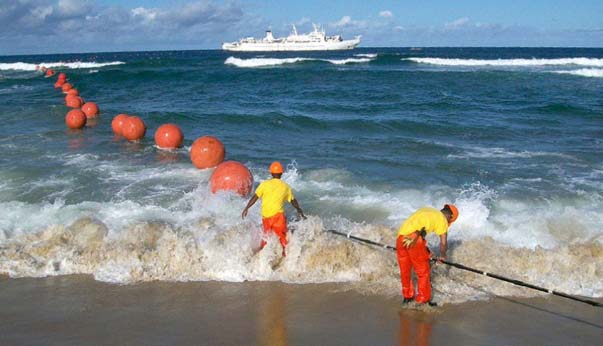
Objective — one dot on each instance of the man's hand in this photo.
(301, 214)
(438, 259)
(409, 242)
(251, 202)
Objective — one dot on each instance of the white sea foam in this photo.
(266, 62)
(22, 66)
(15, 88)
(501, 153)
(369, 55)
(584, 72)
(261, 62)
(509, 62)
(348, 61)
(201, 236)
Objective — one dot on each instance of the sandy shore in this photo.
(76, 310)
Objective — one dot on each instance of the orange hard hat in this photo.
(453, 209)
(276, 168)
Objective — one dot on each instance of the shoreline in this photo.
(76, 310)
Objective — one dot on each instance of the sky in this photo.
(75, 26)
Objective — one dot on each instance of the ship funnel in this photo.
(269, 36)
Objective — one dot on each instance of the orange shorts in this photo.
(277, 224)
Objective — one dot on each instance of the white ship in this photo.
(315, 40)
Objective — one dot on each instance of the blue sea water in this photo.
(513, 136)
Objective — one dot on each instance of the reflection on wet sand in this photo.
(414, 329)
(272, 325)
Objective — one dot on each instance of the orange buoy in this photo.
(73, 101)
(75, 119)
(118, 122)
(90, 109)
(59, 84)
(49, 73)
(207, 151)
(169, 136)
(133, 128)
(66, 86)
(231, 176)
(73, 91)
(62, 76)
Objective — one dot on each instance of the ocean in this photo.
(512, 136)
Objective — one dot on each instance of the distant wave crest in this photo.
(509, 62)
(22, 66)
(585, 72)
(368, 55)
(265, 62)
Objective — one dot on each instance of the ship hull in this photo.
(289, 46)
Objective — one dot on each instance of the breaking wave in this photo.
(265, 62)
(368, 55)
(22, 66)
(509, 62)
(585, 72)
(199, 236)
(147, 251)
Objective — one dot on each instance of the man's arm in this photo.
(299, 210)
(443, 246)
(249, 204)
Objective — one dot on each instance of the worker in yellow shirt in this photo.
(412, 250)
(274, 192)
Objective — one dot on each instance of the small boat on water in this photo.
(317, 40)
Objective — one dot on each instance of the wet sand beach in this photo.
(77, 310)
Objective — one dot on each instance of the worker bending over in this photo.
(412, 250)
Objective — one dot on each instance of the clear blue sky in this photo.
(55, 26)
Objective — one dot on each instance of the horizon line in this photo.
(374, 47)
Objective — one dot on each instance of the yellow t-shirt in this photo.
(274, 193)
(429, 218)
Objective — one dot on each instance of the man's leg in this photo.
(280, 229)
(278, 225)
(419, 256)
(405, 265)
(267, 223)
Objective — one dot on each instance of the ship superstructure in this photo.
(316, 40)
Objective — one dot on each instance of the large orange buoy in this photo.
(59, 84)
(72, 101)
(73, 91)
(207, 151)
(231, 176)
(118, 122)
(75, 119)
(49, 73)
(133, 128)
(66, 86)
(169, 136)
(90, 109)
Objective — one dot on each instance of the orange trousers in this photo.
(278, 225)
(417, 257)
